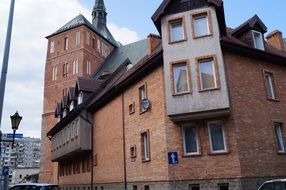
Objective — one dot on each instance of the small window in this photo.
(145, 146)
(66, 43)
(190, 138)
(87, 38)
(54, 73)
(201, 25)
(131, 108)
(65, 69)
(180, 78)
(134, 187)
(52, 46)
(75, 67)
(176, 30)
(279, 137)
(77, 38)
(80, 98)
(258, 40)
(217, 137)
(142, 96)
(194, 187)
(95, 160)
(133, 151)
(88, 67)
(98, 46)
(93, 42)
(207, 74)
(270, 85)
(223, 186)
(146, 187)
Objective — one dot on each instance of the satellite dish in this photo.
(145, 103)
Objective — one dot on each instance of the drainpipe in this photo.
(124, 149)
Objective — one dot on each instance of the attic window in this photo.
(80, 98)
(258, 40)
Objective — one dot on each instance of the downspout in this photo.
(124, 143)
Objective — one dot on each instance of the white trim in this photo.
(279, 137)
(261, 41)
(184, 139)
(210, 138)
(196, 17)
(214, 73)
(269, 78)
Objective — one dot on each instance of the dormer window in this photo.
(80, 98)
(65, 112)
(258, 40)
(72, 105)
(59, 118)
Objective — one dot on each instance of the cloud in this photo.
(33, 20)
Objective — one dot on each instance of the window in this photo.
(65, 70)
(105, 50)
(145, 144)
(132, 108)
(176, 30)
(87, 38)
(93, 42)
(75, 67)
(270, 85)
(88, 67)
(142, 96)
(216, 137)
(180, 78)
(66, 45)
(134, 187)
(52, 46)
(133, 151)
(80, 98)
(98, 45)
(279, 137)
(258, 40)
(194, 187)
(223, 186)
(71, 105)
(77, 38)
(146, 187)
(190, 139)
(207, 74)
(54, 73)
(201, 25)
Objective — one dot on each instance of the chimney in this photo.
(153, 41)
(276, 40)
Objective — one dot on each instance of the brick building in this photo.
(215, 95)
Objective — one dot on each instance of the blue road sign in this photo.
(10, 136)
(173, 158)
(5, 171)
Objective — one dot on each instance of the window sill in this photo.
(198, 37)
(143, 111)
(191, 155)
(218, 153)
(181, 94)
(147, 160)
(178, 41)
(273, 100)
(209, 89)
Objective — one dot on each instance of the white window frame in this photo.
(80, 98)
(279, 137)
(77, 37)
(173, 65)
(196, 17)
(146, 146)
(184, 139)
(261, 41)
(75, 67)
(88, 67)
(72, 105)
(270, 80)
(210, 137)
(54, 73)
(171, 24)
(98, 45)
(52, 46)
(87, 38)
(66, 43)
(214, 73)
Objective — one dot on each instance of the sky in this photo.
(128, 20)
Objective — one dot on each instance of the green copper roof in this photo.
(134, 52)
(81, 20)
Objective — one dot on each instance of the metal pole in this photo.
(6, 58)
(174, 178)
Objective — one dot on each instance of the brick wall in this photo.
(254, 115)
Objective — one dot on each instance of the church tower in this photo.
(75, 50)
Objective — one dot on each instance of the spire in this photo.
(99, 14)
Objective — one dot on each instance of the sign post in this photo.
(173, 159)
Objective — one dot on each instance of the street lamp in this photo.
(15, 121)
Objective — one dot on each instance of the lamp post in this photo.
(15, 121)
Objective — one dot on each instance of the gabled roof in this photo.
(250, 23)
(160, 12)
(133, 52)
(87, 84)
(81, 20)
